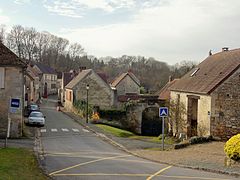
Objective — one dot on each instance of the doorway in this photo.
(192, 114)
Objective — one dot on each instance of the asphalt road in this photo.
(72, 152)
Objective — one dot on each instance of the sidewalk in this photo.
(208, 156)
(25, 142)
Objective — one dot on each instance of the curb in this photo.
(100, 135)
(39, 152)
(121, 147)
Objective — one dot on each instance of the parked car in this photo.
(32, 107)
(36, 118)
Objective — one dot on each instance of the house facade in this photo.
(11, 92)
(48, 79)
(210, 94)
(126, 83)
(32, 85)
(66, 78)
(100, 94)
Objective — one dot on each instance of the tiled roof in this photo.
(122, 76)
(45, 69)
(78, 78)
(67, 77)
(7, 57)
(103, 76)
(210, 73)
(164, 93)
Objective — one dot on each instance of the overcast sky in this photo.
(168, 30)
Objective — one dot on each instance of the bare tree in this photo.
(177, 115)
(29, 42)
(42, 45)
(75, 50)
(57, 47)
(2, 32)
(15, 40)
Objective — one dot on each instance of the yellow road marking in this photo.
(100, 174)
(157, 173)
(138, 175)
(98, 157)
(89, 162)
(83, 152)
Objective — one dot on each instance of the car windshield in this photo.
(36, 114)
(34, 107)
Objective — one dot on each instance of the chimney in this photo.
(224, 49)
(210, 53)
(81, 68)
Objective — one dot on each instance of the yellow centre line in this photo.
(98, 157)
(139, 175)
(89, 162)
(157, 173)
(102, 174)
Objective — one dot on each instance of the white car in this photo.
(36, 118)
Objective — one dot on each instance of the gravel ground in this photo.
(208, 156)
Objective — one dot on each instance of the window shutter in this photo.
(2, 74)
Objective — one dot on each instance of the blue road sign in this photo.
(15, 103)
(163, 112)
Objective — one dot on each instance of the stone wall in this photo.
(13, 89)
(127, 85)
(225, 119)
(204, 110)
(99, 93)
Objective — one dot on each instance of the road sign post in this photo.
(163, 112)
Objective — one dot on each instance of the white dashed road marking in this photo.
(43, 130)
(75, 130)
(54, 130)
(85, 130)
(65, 130)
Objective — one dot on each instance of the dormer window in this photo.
(194, 72)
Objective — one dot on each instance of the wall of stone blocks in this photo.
(99, 93)
(225, 120)
(127, 85)
(13, 89)
(204, 111)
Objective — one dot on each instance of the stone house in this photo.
(48, 79)
(164, 93)
(100, 94)
(11, 92)
(210, 94)
(66, 78)
(126, 84)
(32, 84)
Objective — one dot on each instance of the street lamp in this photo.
(87, 88)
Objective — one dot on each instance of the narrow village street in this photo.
(71, 151)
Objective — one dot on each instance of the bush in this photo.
(232, 148)
(181, 145)
(200, 140)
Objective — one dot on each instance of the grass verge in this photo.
(127, 134)
(115, 131)
(19, 163)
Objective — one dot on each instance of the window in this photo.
(53, 86)
(194, 72)
(2, 77)
(45, 77)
